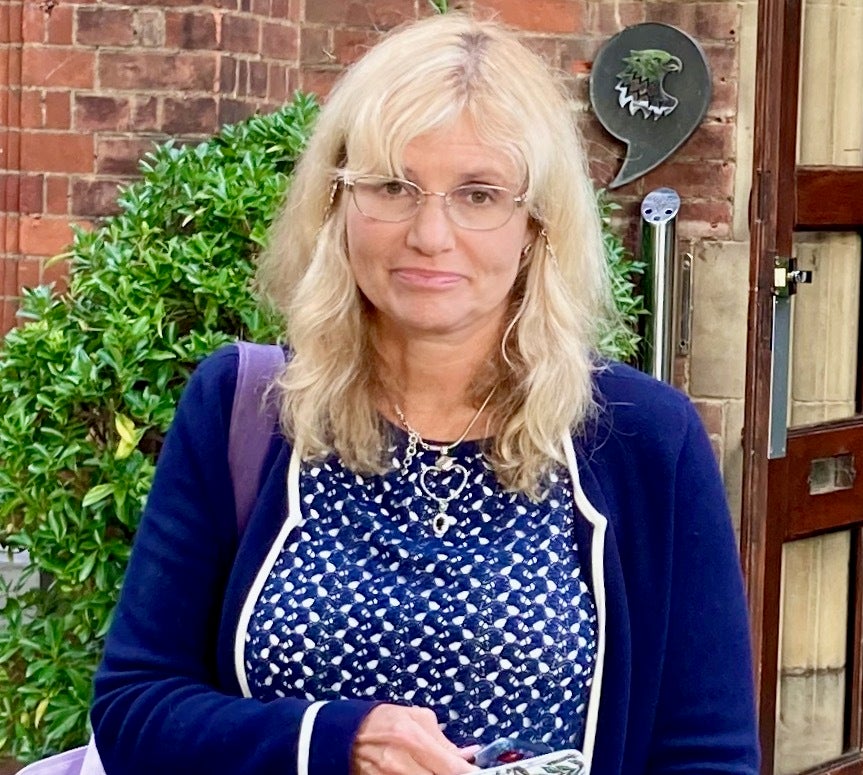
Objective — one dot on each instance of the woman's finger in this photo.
(397, 740)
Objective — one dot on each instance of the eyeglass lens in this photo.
(472, 206)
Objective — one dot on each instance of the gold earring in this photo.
(549, 249)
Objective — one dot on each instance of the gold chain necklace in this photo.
(444, 466)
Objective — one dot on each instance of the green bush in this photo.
(88, 386)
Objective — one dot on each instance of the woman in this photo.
(486, 531)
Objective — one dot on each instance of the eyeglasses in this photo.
(476, 206)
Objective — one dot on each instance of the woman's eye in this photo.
(478, 195)
(394, 188)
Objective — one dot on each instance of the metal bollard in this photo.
(659, 211)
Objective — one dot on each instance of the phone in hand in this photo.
(510, 756)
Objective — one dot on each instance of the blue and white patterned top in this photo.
(492, 625)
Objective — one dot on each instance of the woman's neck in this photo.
(432, 381)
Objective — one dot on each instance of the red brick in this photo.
(693, 179)
(716, 21)
(714, 212)
(9, 233)
(676, 13)
(318, 80)
(258, 79)
(103, 26)
(261, 7)
(7, 316)
(58, 111)
(94, 198)
(602, 171)
(32, 115)
(44, 236)
(149, 70)
(29, 273)
(722, 59)
(31, 193)
(9, 266)
(565, 16)
(232, 111)
(189, 116)
(609, 18)
(145, 113)
(349, 46)
(96, 111)
(121, 155)
(56, 194)
(59, 24)
(57, 67)
(34, 23)
(577, 53)
(723, 103)
(281, 9)
(712, 140)
(15, 24)
(316, 45)
(4, 35)
(280, 41)
(277, 83)
(228, 75)
(242, 77)
(10, 66)
(184, 29)
(544, 46)
(163, 3)
(56, 152)
(383, 14)
(241, 34)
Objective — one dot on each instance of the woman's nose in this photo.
(431, 230)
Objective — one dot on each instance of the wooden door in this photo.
(802, 520)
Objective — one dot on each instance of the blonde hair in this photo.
(418, 79)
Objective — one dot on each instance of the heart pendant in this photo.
(453, 472)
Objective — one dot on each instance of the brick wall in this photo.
(87, 87)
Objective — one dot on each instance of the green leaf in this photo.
(96, 494)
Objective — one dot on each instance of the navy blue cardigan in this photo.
(676, 689)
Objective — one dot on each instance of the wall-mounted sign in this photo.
(650, 87)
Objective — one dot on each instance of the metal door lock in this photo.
(786, 276)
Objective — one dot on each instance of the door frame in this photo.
(784, 197)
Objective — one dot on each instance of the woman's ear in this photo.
(533, 230)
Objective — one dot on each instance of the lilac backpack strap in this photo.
(252, 422)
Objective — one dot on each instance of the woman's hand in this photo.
(397, 740)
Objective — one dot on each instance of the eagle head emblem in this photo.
(640, 83)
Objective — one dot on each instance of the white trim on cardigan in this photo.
(597, 559)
